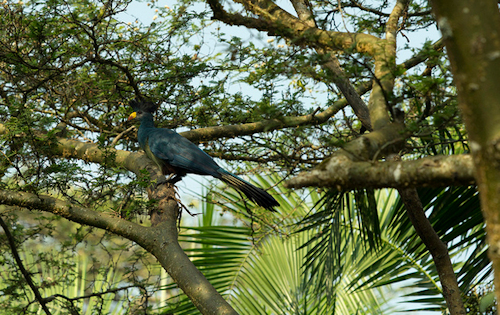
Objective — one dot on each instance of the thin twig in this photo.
(118, 137)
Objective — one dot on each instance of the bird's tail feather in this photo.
(255, 194)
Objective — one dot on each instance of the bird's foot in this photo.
(173, 178)
(170, 180)
(161, 181)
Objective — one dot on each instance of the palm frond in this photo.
(262, 271)
(455, 214)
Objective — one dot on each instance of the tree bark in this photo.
(436, 247)
(345, 174)
(471, 32)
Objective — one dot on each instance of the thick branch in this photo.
(391, 27)
(277, 21)
(91, 152)
(436, 247)
(347, 168)
(385, 66)
(339, 78)
(228, 131)
(75, 213)
(343, 173)
(332, 64)
(160, 240)
(304, 12)
(422, 55)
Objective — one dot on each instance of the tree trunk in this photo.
(471, 34)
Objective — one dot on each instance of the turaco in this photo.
(176, 155)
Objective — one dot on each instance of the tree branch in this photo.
(75, 213)
(436, 247)
(391, 27)
(160, 240)
(385, 66)
(228, 131)
(304, 31)
(422, 55)
(345, 169)
(23, 270)
(343, 173)
(277, 21)
(332, 64)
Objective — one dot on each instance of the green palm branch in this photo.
(398, 256)
(258, 262)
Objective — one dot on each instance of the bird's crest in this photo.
(139, 104)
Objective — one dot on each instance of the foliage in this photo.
(393, 253)
(328, 260)
(481, 301)
(90, 273)
(62, 277)
(259, 264)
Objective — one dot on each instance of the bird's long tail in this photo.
(255, 194)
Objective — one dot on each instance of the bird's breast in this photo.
(152, 157)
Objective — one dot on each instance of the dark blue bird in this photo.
(176, 155)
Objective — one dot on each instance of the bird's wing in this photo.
(172, 148)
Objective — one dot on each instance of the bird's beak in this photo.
(132, 116)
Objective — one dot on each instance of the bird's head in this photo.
(141, 108)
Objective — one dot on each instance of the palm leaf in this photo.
(455, 214)
(261, 271)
